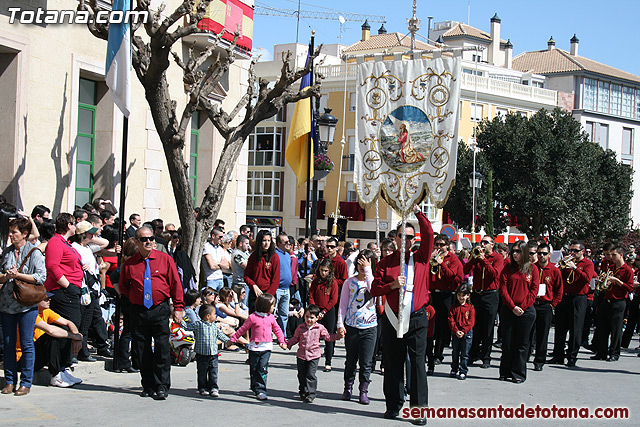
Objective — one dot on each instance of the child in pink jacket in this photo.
(261, 323)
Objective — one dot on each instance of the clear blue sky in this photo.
(608, 30)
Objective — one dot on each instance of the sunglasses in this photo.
(408, 236)
(516, 251)
(439, 245)
(485, 242)
(543, 253)
(331, 246)
(575, 250)
(146, 239)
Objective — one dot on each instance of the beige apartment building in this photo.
(62, 133)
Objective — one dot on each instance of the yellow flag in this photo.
(298, 141)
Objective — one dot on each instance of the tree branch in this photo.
(100, 31)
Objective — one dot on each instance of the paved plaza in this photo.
(111, 399)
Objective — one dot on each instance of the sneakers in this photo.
(60, 381)
(462, 376)
(215, 393)
(261, 396)
(66, 374)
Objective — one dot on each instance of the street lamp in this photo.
(326, 126)
(475, 182)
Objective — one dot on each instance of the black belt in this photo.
(444, 292)
(490, 291)
(541, 302)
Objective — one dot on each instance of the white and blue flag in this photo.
(119, 59)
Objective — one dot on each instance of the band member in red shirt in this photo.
(148, 279)
(549, 296)
(610, 317)
(486, 270)
(443, 282)
(634, 306)
(571, 311)
(390, 275)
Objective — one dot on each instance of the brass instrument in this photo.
(433, 261)
(564, 261)
(476, 252)
(602, 281)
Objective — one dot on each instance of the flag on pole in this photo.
(298, 140)
(119, 59)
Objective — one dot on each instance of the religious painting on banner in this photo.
(407, 127)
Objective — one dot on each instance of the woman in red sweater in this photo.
(262, 273)
(519, 283)
(323, 292)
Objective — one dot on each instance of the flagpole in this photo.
(310, 207)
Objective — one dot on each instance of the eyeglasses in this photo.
(575, 250)
(516, 251)
(408, 236)
(146, 239)
(543, 253)
(440, 244)
(532, 253)
(331, 246)
(485, 242)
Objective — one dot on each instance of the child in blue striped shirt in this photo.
(207, 335)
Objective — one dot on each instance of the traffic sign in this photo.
(450, 231)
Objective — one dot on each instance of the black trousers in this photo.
(359, 344)
(154, 363)
(441, 302)
(54, 353)
(395, 351)
(486, 305)
(307, 379)
(329, 321)
(516, 333)
(92, 319)
(569, 318)
(590, 314)
(542, 325)
(125, 358)
(66, 302)
(258, 370)
(609, 322)
(632, 321)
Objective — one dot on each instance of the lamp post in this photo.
(475, 181)
(326, 124)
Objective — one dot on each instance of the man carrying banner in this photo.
(413, 276)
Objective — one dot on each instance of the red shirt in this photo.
(165, 281)
(113, 261)
(389, 268)
(322, 296)
(606, 265)
(431, 315)
(448, 274)
(552, 279)
(462, 317)
(519, 289)
(485, 271)
(625, 274)
(265, 275)
(340, 270)
(577, 281)
(61, 259)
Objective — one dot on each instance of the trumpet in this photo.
(602, 281)
(564, 261)
(433, 261)
(476, 252)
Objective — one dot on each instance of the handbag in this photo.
(28, 294)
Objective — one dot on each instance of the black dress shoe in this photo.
(391, 415)
(537, 367)
(517, 380)
(147, 392)
(130, 370)
(419, 422)
(612, 359)
(485, 365)
(105, 352)
(555, 361)
(161, 394)
(571, 364)
(598, 357)
(437, 361)
(87, 358)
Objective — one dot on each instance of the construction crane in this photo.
(313, 14)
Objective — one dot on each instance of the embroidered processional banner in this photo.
(407, 129)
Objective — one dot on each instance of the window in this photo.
(429, 209)
(590, 128)
(351, 193)
(476, 112)
(472, 72)
(627, 101)
(616, 98)
(637, 104)
(538, 84)
(627, 141)
(265, 147)
(87, 101)
(598, 133)
(603, 97)
(348, 160)
(603, 136)
(476, 58)
(264, 191)
(193, 155)
(502, 113)
(352, 101)
(590, 93)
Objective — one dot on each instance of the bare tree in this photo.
(202, 70)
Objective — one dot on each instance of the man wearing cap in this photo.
(148, 279)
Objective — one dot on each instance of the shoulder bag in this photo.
(28, 294)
